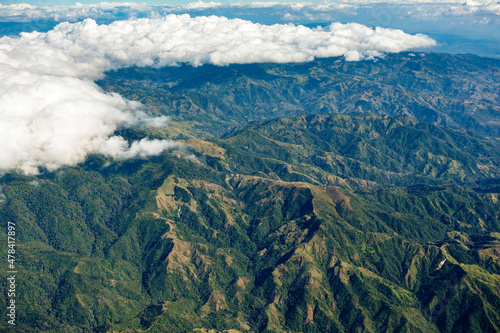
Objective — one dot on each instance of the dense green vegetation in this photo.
(317, 223)
(380, 149)
(449, 90)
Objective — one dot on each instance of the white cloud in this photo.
(86, 49)
(430, 9)
(436, 11)
(106, 10)
(119, 149)
(202, 5)
(466, 2)
(52, 121)
(52, 114)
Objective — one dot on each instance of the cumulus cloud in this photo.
(435, 11)
(423, 1)
(52, 114)
(119, 149)
(52, 121)
(25, 13)
(107, 12)
(86, 49)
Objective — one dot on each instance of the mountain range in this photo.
(327, 196)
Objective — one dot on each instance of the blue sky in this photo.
(73, 2)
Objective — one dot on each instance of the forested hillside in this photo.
(319, 197)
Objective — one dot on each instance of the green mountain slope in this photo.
(460, 91)
(339, 150)
(314, 224)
